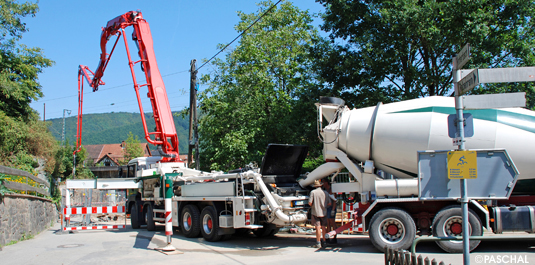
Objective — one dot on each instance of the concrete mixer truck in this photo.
(409, 141)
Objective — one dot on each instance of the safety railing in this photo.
(24, 186)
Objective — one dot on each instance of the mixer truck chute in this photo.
(388, 138)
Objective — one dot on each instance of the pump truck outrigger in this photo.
(213, 204)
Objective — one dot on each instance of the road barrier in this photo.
(92, 197)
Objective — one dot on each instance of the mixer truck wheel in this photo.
(392, 227)
(210, 224)
(191, 224)
(448, 222)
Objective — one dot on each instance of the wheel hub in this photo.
(207, 224)
(456, 228)
(392, 230)
(187, 221)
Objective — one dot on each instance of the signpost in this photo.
(463, 56)
(462, 164)
(469, 82)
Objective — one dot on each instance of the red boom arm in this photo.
(165, 133)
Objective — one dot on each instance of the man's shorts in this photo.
(319, 221)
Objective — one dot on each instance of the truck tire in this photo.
(448, 222)
(266, 231)
(392, 227)
(134, 216)
(210, 224)
(149, 217)
(190, 221)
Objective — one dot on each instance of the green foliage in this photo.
(23, 138)
(3, 189)
(19, 65)
(402, 49)
(108, 128)
(312, 163)
(254, 95)
(64, 163)
(21, 142)
(132, 148)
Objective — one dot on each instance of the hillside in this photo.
(111, 128)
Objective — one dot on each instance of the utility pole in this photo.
(193, 135)
(63, 132)
(44, 111)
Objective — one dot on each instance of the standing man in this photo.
(330, 216)
(319, 201)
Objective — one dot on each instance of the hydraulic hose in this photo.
(275, 207)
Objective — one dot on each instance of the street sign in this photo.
(462, 165)
(506, 75)
(468, 82)
(463, 56)
(494, 101)
(468, 125)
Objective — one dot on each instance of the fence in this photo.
(404, 257)
(23, 186)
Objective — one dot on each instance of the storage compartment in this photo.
(514, 218)
(225, 220)
(209, 189)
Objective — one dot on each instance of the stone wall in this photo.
(23, 216)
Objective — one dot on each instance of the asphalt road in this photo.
(128, 246)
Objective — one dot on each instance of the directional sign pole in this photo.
(464, 196)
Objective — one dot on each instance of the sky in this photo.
(69, 34)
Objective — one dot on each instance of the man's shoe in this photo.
(323, 244)
(316, 246)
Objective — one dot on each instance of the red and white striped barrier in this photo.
(93, 210)
(93, 227)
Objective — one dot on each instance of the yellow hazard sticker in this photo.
(462, 165)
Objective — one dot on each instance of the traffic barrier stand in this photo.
(93, 210)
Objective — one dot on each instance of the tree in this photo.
(19, 65)
(132, 148)
(254, 94)
(64, 162)
(402, 49)
(23, 137)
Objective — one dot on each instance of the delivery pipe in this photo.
(275, 207)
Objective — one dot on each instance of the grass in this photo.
(22, 238)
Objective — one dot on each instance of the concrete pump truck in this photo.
(214, 204)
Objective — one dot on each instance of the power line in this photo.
(260, 17)
(237, 37)
(109, 88)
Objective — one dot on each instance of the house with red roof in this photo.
(110, 154)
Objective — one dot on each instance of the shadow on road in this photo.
(248, 244)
